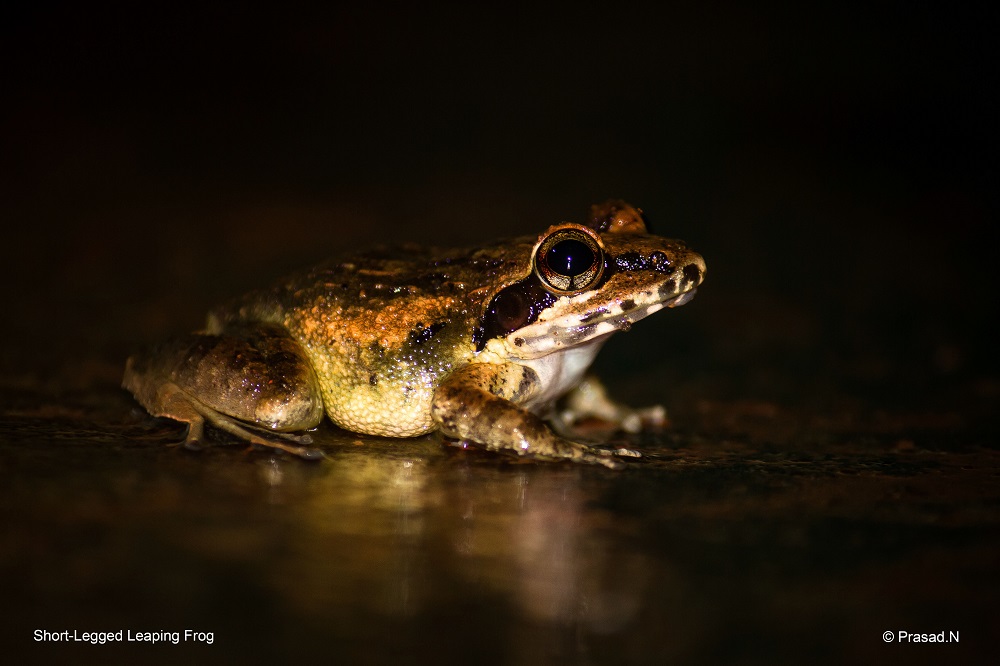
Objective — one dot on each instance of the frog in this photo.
(479, 344)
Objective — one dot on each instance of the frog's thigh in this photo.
(477, 403)
(256, 375)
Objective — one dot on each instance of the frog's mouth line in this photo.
(569, 331)
(681, 299)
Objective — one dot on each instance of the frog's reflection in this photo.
(541, 539)
(379, 529)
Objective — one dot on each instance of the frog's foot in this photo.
(272, 440)
(612, 455)
(595, 455)
(181, 407)
(622, 452)
(590, 400)
(551, 447)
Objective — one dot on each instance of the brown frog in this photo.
(477, 343)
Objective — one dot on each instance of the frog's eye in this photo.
(569, 261)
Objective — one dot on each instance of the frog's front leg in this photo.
(247, 380)
(479, 403)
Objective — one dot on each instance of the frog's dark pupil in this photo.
(570, 257)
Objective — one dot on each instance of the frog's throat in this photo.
(560, 333)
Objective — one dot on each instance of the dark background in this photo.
(836, 166)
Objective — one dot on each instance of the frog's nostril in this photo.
(692, 273)
(660, 262)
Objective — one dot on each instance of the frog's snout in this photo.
(694, 273)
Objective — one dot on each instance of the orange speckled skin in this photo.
(383, 328)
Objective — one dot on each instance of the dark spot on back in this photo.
(372, 379)
(422, 334)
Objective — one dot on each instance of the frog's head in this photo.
(588, 281)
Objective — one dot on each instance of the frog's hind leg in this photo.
(253, 383)
(181, 407)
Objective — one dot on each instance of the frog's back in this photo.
(381, 329)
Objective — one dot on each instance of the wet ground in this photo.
(738, 543)
(831, 471)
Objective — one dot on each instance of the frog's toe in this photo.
(652, 417)
(611, 458)
(191, 444)
(631, 423)
(302, 439)
(310, 454)
(194, 435)
(187, 444)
